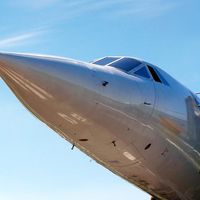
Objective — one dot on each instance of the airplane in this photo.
(127, 114)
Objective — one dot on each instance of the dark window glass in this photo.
(106, 60)
(154, 74)
(143, 72)
(162, 78)
(196, 99)
(125, 64)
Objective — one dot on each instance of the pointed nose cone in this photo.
(49, 87)
(22, 73)
(15, 73)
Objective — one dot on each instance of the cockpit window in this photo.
(142, 72)
(198, 102)
(162, 78)
(125, 64)
(157, 76)
(154, 74)
(196, 99)
(106, 60)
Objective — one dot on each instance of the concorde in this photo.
(127, 114)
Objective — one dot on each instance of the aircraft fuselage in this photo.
(142, 130)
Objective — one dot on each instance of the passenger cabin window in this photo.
(154, 74)
(125, 64)
(142, 72)
(106, 60)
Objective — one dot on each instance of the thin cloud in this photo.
(19, 40)
(150, 8)
(55, 11)
(71, 9)
(115, 8)
(35, 4)
(82, 6)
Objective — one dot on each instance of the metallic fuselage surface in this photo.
(144, 131)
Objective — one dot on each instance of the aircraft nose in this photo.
(47, 86)
(18, 73)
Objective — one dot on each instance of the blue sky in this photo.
(35, 162)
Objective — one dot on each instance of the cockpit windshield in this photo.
(135, 67)
(106, 60)
(125, 64)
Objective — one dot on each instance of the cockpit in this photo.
(132, 66)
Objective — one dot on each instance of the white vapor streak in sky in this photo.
(19, 40)
(33, 4)
(74, 8)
